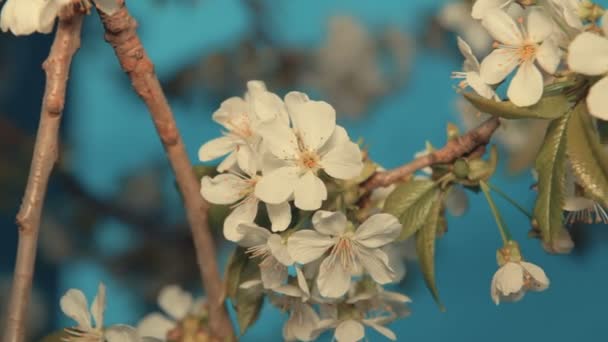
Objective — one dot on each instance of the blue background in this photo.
(111, 134)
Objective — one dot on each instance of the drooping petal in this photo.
(502, 27)
(541, 282)
(302, 283)
(526, 87)
(510, 278)
(375, 263)
(252, 235)
(588, 54)
(343, 162)
(175, 301)
(470, 61)
(549, 55)
(216, 148)
(228, 162)
(303, 321)
(456, 201)
(74, 305)
(279, 139)
(307, 245)
(225, 188)
(333, 279)
(538, 26)
(278, 248)
(475, 81)
(482, 7)
(107, 6)
(386, 332)
(498, 65)
(494, 292)
(230, 111)
(273, 273)
(329, 223)
(243, 213)
(155, 325)
(99, 305)
(314, 121)
(280, 215)
(597, 101)
(277, 186)
(349, 331)
(378, 230)
(309, 192)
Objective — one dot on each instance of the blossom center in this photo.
(240, 126)
(527, 52)
(309, 160)
(343, 252)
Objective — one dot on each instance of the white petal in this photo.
(329, 223)
(538, 25)
(99, 305)
(228, 162)
(456, 201)
(588, 54)
(307, 245)
(526, 87)
(333, 279)
(349, 331)
(121, 333)
(343, 162)
(277, 186)
(303, 321)
(470, 61)
(378, 230)
(314, 121)
(245, 212)
(266, 105)
(302, 283)
(502, 27)
(107, 6)
(247, 159)
(216, 148)
(482, 7)
(577, 203)
(396, 261)
(509, 278)
(48, 14)
(225, 188)
(252, 235)
(494, 293)
(279, 139)
(339, 137)
(597, 101)
(155, 325)
(498, 65)
(280, 216)
(475, 81)
(74, 305)
(605, 23)
(309, 192)
(278, 248)
(273, 273)
(541, 282)
(386, 332)
(375, 263)
(175, 301)
(549, 56)
(231, 110)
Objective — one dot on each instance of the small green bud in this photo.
(452, 131)
(461, 168)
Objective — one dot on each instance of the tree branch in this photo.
(120, 32)
(473, 141)
(56, 66)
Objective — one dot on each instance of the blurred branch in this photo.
(56, 66)
(121, 33)
(473, 141)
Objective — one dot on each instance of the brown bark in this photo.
(57, 67)
(120, 32)
(473, 141)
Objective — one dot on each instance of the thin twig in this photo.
(471, 142)
(120, 32)
(56, 66)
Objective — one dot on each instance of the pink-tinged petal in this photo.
(155, 325)
(329, 223)
(175, 301)
(502, 27)
(482, 7)
(74, 305)
(252, 235)
(548, 56)
(278, 248)
(597, 101)
(307, 245)
(280, 215)
(538, 26)
(375, 263)
(279, 139)
(224, 189)
(333, 279)
(386, 332)
(541, 282)
(588, 54)
(245, 212)
(343, 162)
(217, 147)
(526, 87)
(309, 192)
(498, 65)
(349, 331)
(378, 230)
(277, 186)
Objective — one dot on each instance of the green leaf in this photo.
(551, 168)
(237, 262)
(602, 129)
(249, 305)
(204, 170)
(549, 107)
(588, 157)
(425, 247)
(411, 202)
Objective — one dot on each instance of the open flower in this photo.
(177, 305)
(350, 251)
(271, 249)
(300, 152)
(470, 73)
(240, 117)
(373, 298)
(237, 186)
(588, 55)
(349, 323)
(520, 45)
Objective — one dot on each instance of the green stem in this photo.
(510, 200)
(504, 232)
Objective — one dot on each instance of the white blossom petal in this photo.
(333, 279)
(378, 230)
(538, 26)
(280, 215)
(74, 305)
(228, 162)
(498, 65)
(526, 87)
(588, 54)
(386, 332)
(155, 325)
(224, 188)
(278, 248)
(216, 148)
(343, 162)
(175, 301)
(375, 263)
(470, 61)
(245, 212)
(349, 331)
(509, 278)
(329, 223)
(456, 201)
(307, 245)
(597, 101)
(475, 81)
(121, 333)
(99, 305)
(309, 192)
(502, 27)
(279, 139)
(303, 322)
(482, 7)
(314, 121)
(541, 282)
(548, 56)
(252, 235)
(273, 273)
(277, 186)
(605, 23)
